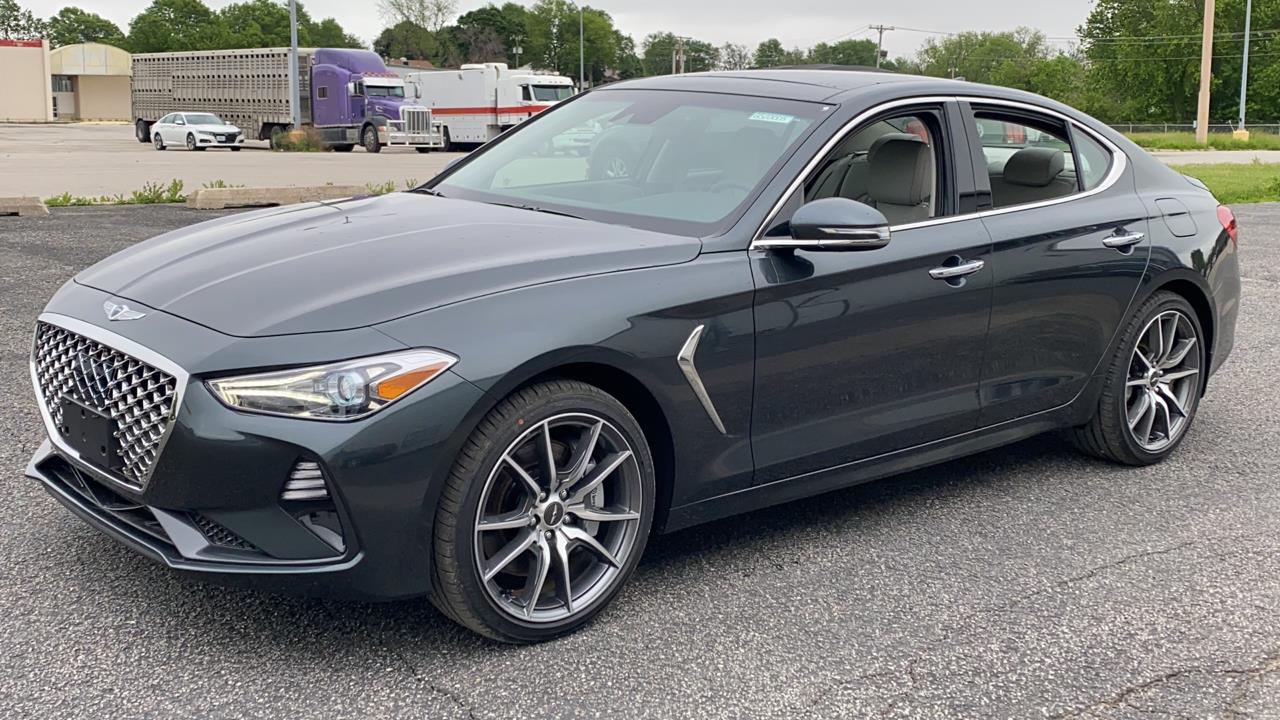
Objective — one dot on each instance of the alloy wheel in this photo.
(558, 518)
(1163, 382)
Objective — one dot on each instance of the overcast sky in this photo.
(795, 22)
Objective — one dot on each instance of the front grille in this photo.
(137, 396)
(417, 121)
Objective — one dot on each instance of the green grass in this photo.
(1217, 141)
(1235, 183)
(151, 193)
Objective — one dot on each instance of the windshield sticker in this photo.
(772, 117)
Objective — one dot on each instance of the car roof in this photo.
(813, 83)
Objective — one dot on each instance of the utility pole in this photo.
(1206, 71)
(517, 49)
(293, 65)
(1244, 70)
(582, 59)
(880, 39)
(677, 55)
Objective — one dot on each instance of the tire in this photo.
(618, 470)
(423, 150)
(191, 142)
(142, 131)
(159, 142)
(1144, 366)
(369, 138)
(344, 147)
(448, 142)
(235, 149)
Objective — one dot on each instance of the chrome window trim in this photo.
(1120, 161)
(128, 347)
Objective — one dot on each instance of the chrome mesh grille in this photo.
(137, 396)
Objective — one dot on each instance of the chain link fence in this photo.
(1273, 128)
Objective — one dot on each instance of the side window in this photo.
(891, 164)
(322, 92)
(166, 119)
(1095, 160)
(1028, 160)
(524, 93)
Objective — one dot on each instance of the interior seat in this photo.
(900, 175)
(1030, 175)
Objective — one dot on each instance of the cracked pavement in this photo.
(1026, 582)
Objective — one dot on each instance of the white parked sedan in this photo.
(195, 131)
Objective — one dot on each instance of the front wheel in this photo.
(1153, 385)
(545, 514)
(191, 141)
(159, 142)
(370, 139)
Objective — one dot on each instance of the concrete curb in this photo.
(25, 206)
(219, 198)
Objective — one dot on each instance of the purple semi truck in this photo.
(349, 96)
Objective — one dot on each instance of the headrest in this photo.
(1034, 166)
(899, 170)
(875, 144)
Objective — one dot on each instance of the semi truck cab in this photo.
(354, 95)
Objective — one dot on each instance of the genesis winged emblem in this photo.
(120, 311)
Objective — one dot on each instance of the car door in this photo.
(860, 353)
(1070, 248)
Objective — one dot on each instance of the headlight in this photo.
(338, 391)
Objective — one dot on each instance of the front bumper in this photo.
(213, 503)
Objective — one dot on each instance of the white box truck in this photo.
(475, 103)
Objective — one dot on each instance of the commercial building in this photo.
(87, 81)
(26, 91)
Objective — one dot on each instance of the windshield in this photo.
(203, 119)
(384, 90)
(678, 162)
(551, 93)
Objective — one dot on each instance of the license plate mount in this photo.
(91, 433)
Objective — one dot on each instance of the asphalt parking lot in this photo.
(1028, 582)
(104, 159)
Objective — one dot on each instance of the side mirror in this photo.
(833, 224)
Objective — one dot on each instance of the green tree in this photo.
(659, 48)
(172, 25)
(328, 33)
(411, 41)
(770, 53)
(72, 25)
(1144, 60)
(17, 23)
(507, 22)
(735, 57)
(262, 23)
(845, 52)
(628, 63)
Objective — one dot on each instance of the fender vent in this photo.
(306, 482)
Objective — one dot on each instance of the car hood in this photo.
(353, 263)
(214, 128)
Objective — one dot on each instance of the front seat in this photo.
(900, 172)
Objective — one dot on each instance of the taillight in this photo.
(1228, 220)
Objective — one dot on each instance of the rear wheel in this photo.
(369, 138)
(545, 514)
(142, 131)
(1153, 385)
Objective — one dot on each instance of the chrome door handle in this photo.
(948, 272)
(1121, 240)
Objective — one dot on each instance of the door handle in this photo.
(950, 272)
(1123, 239)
